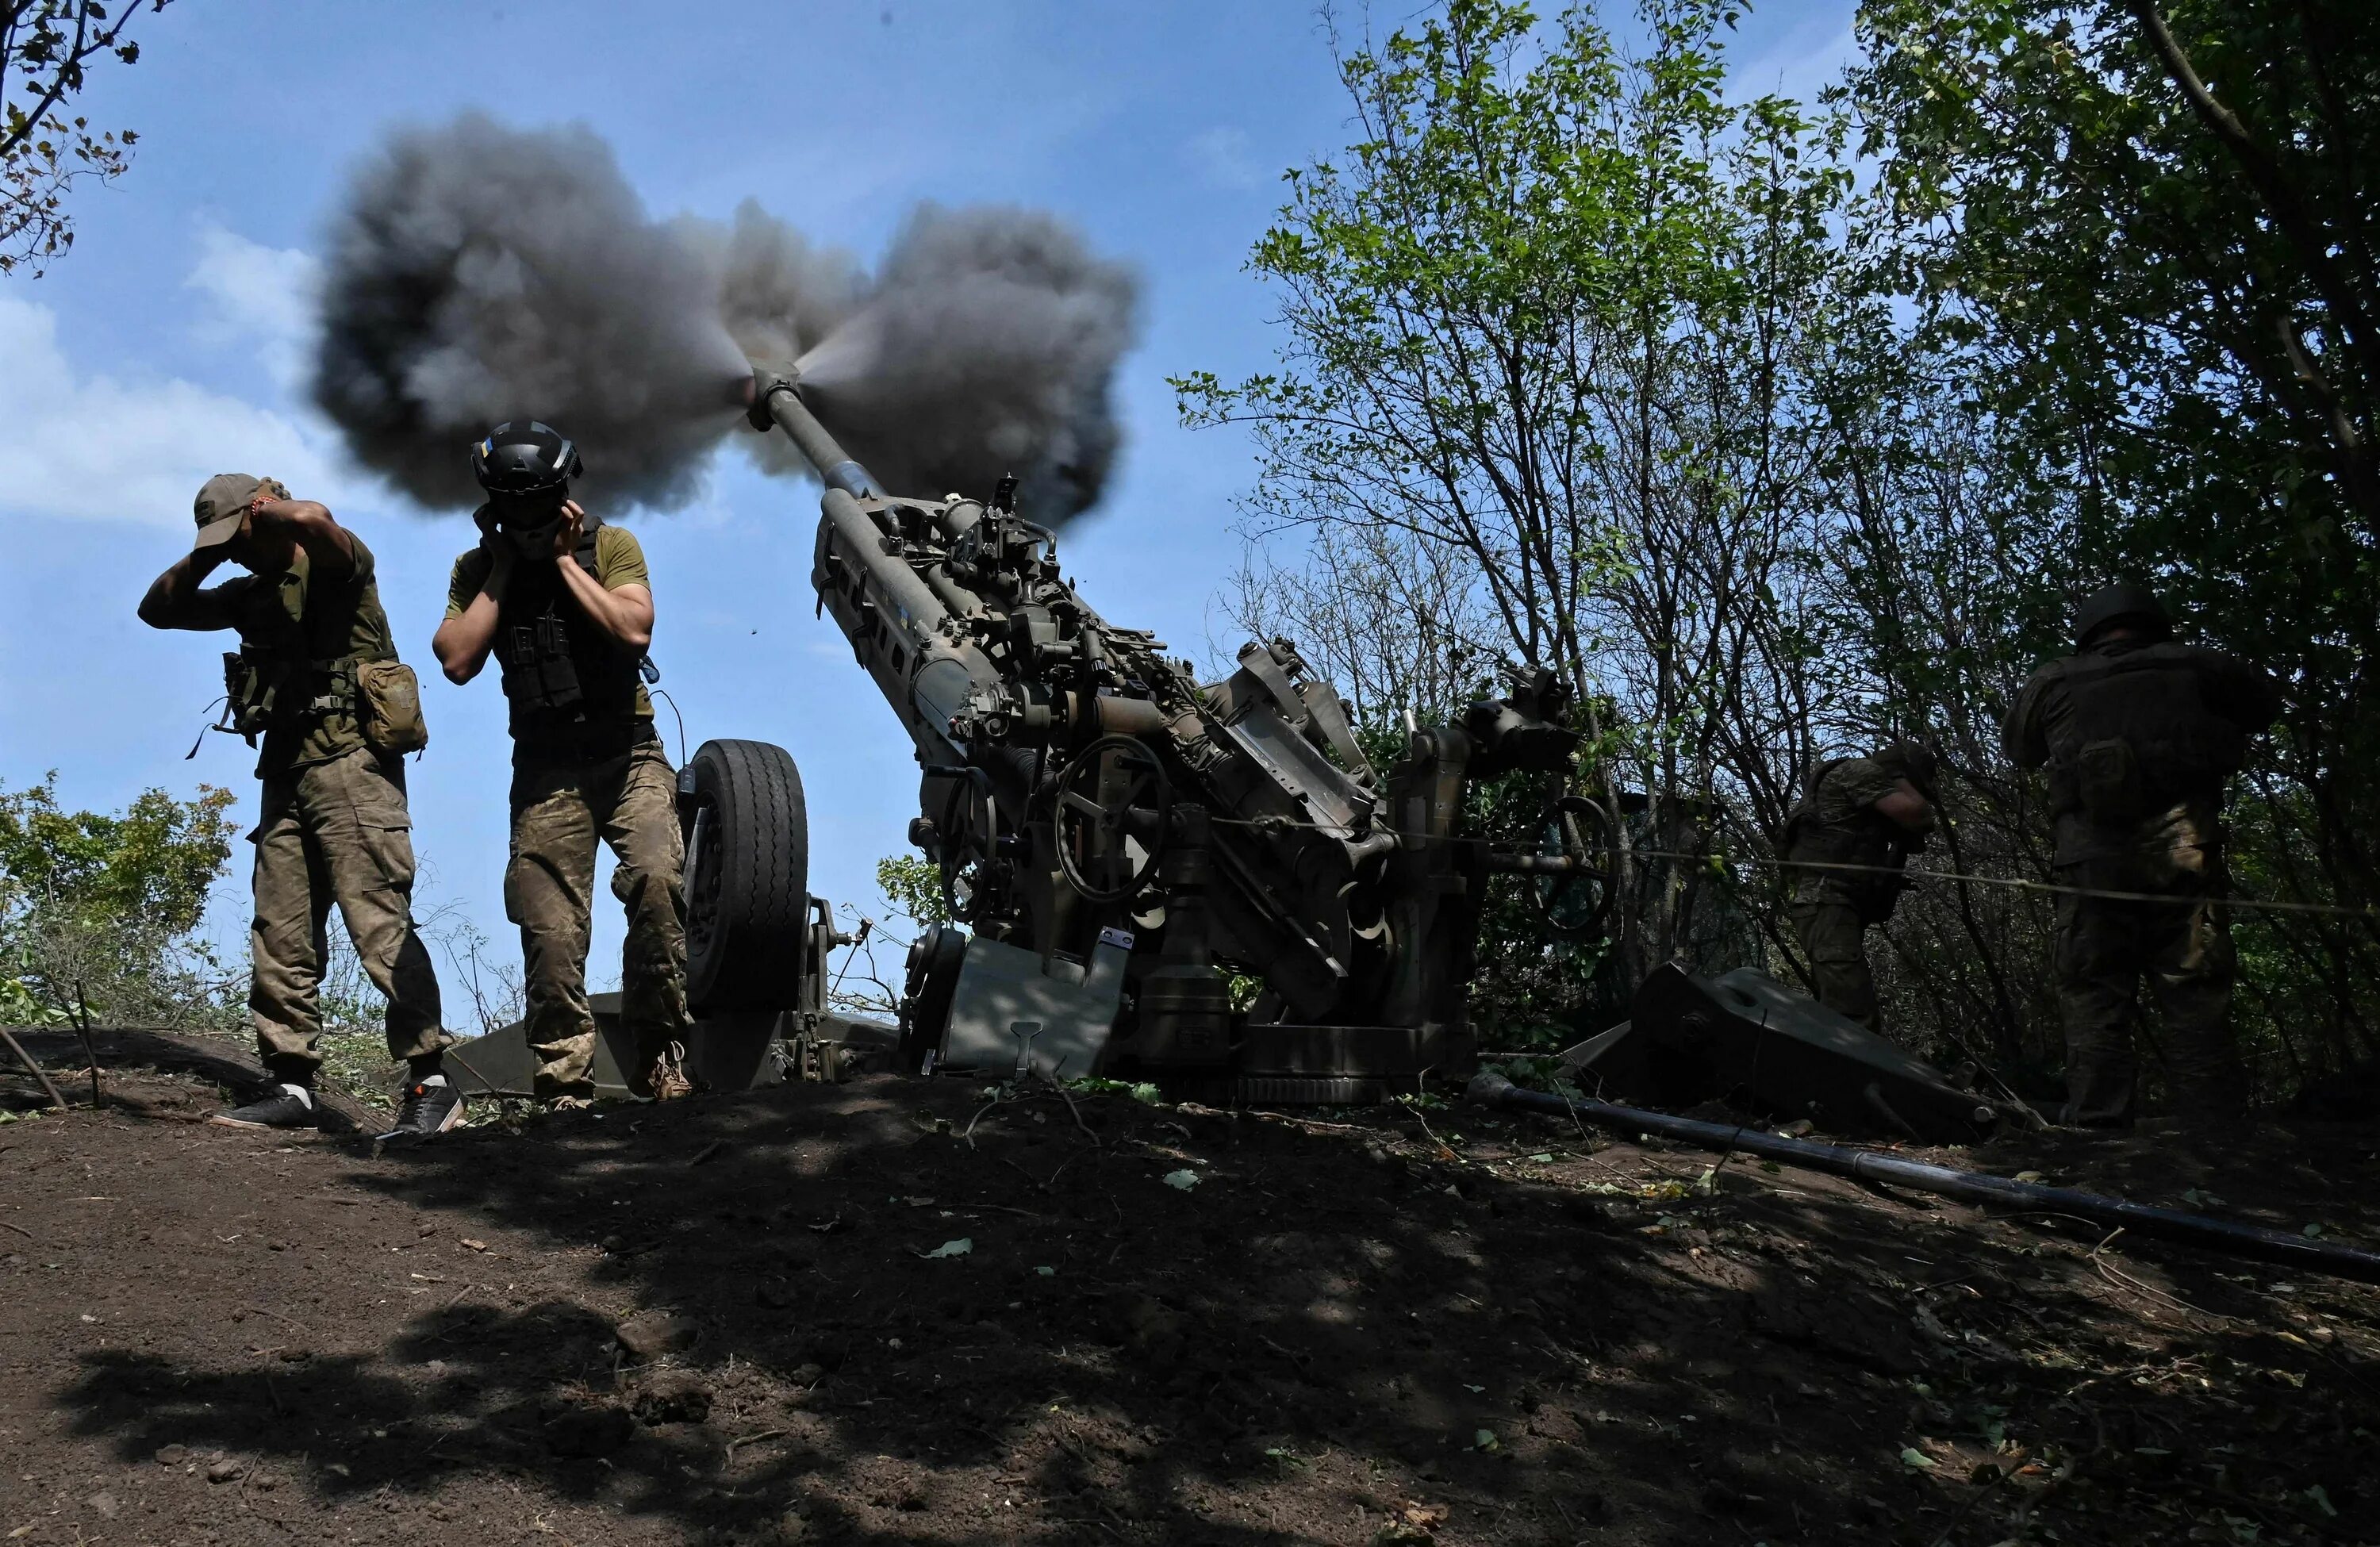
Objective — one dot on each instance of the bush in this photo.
(99, 914)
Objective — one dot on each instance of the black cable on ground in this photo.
(1970, 1186)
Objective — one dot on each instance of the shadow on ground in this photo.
(1180, 1326)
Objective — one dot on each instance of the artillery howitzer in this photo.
(1210, 886)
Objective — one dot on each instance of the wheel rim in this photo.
(1576, 904)
(1093, 837)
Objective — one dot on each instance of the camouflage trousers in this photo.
(337, 832)
(559, 810)
(1836, 942)
(2105, 948)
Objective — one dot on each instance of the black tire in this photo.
(747, 866)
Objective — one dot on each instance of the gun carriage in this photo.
(1206, 885)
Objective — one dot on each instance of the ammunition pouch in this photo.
(253, 693)
(539, 676)
(265, 692)
(388, 704)
(2108, 782)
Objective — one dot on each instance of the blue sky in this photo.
(169, 346)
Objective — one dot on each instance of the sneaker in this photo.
(430, 1107)
(665, 1081)
(284, 1107)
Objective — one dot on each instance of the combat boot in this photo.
(665, 1078)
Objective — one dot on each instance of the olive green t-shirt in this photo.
(619, 561)
(291, 615)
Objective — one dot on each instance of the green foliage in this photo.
(1558, 328)
(20, 1005)
(98, 912)
(45, 48)
(1093, 1084)
(1775, 446)
(156, 861)
(2142, 241)
(913, 886)
(1537, 1074)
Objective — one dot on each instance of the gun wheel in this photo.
(745, 880)
(1574, 904)
(1113, 810)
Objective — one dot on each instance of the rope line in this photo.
(2019, 884)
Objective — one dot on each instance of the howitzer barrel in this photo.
(777, 401)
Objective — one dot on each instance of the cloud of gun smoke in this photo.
(983, 347)
(480, 272)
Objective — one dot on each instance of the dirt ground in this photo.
(899, 1311)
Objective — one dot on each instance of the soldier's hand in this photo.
(566, 536)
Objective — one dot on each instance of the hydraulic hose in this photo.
(1970, 1186)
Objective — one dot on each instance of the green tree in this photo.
(1555, 327)
(913, 886)
(2143, 240)
(99, 913)
(46, 47)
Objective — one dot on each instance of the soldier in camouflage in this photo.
(564, 604)
(2139, 734)
(1858, 821)
(317, 678)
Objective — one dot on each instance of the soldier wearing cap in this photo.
(2139, 733)
(317, 679)
(564, 604)
(1858, 821)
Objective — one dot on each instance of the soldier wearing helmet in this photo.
(1845, 844)
(564, 602)
(2139, 733)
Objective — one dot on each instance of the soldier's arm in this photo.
(1906, 809)
(311, 525)
(2022, 736)
(2241, 692)
(464, 640)
(176, 600)
(623, 612)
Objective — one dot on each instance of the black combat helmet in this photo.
(2126, 602)
(523, 457)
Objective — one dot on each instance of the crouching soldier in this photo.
(317, 677)
(1845, 845)
(563, 602)
(2139, 734)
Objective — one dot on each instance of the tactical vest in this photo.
(563, 676)
(293, 680)
(1867, 839)
(2136, 735)
(269, 687)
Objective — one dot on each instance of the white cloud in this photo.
(261, 296)
(1222, 158)
(93, 446)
